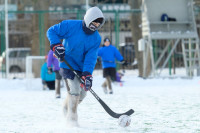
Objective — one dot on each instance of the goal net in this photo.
(33, 68)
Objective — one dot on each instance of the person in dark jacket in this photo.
(108, 54)
(51, 60)
(48, 80)
(79, 48)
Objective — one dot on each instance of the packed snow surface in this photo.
(161, 105)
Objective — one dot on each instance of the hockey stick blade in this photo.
(106, 108)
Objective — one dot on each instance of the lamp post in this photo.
(7, 38)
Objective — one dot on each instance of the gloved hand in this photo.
(50, 71)
(86, 82)
(59, 51)
(124, 63)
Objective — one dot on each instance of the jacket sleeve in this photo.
(50, 58)
(91, 57)
(118, 56)
(57, 32)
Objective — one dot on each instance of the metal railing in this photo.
(28, 29)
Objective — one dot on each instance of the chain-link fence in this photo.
(27, 29)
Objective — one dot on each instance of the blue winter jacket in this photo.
(45, 75)
(108, 55)
(80, 48)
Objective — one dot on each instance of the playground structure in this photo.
(174, 22)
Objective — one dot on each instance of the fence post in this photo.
(2, 33)
(117, 32)
(170, 60)
(117, 29)
(2, 28)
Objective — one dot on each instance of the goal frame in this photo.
(29, 64)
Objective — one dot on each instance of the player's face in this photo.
(107, 43)
(94, 26)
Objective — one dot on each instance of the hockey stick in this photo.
(106, 108)
(128, 63)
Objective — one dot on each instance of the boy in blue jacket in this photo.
(108, 54)
(79, 48)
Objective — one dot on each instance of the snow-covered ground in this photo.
(161, 105)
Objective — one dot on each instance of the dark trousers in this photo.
(110, 72)
(110, 75)
(51, 85)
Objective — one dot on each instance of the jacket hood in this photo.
(92, 14)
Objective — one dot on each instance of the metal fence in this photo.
(27, 29)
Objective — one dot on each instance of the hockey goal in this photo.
(33, 68)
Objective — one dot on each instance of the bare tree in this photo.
(136, 32)
(20, 5)
(39, 5)
(136, 35)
